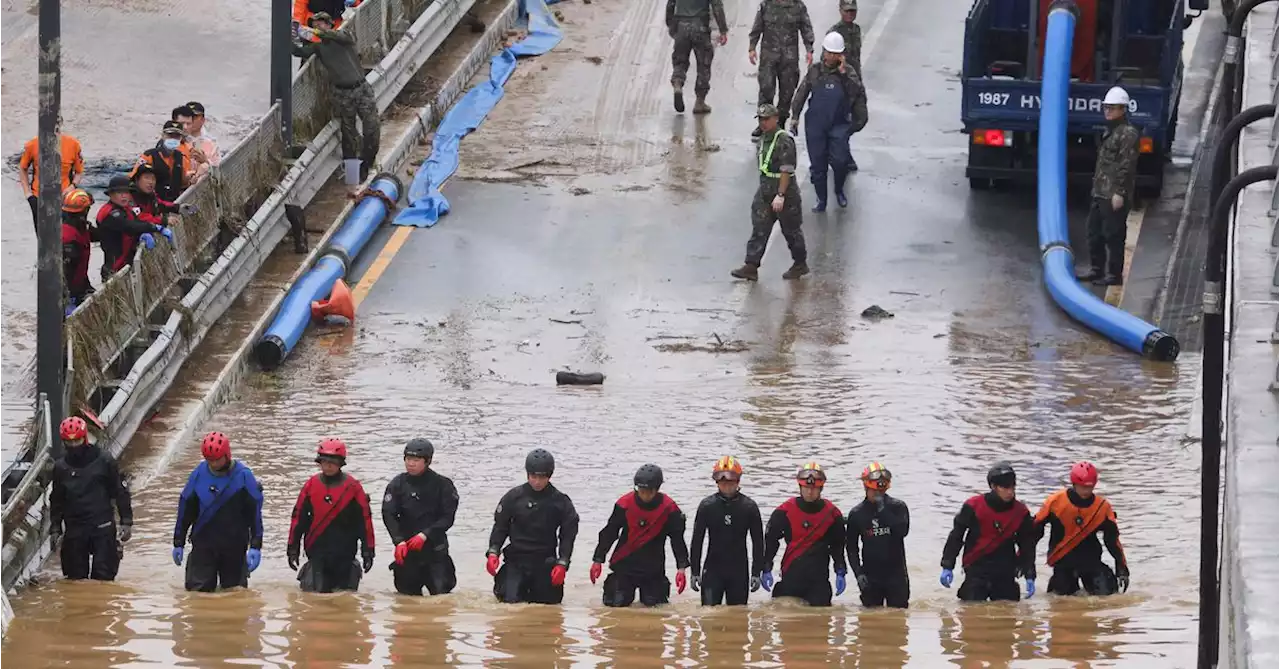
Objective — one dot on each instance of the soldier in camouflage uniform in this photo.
(689, 23)
(837, 109)
(777, 199)
(352, 95)
(775, 28)
(1112, 192)
(852, 34)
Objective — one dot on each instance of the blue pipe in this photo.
(1119, 326)
(317, 284)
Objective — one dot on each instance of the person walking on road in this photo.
(77, 239)
(353, 96)
(774, 30)
(689, 24)
(120, 230)
(849, 29)
(837, 109)
(29, 168)
(88, 491)
(542, 526)
(814, 530)
(880, 523)
(776, 200)
(1113, 190)
(221, 509)
(330, 517)
(641, 523)
(726, 518)
(999, 541)
(418, 509)
(1075, 516)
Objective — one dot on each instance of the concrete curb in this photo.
(239, 365)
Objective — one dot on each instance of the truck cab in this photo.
(1136, 44)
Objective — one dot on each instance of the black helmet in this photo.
(1002, 474)
(419, 448)
(540, 461)
(649, 476)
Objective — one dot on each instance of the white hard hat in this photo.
(1116, 96)
(833, 43)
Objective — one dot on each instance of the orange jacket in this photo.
(72, 161)
(1074, 527)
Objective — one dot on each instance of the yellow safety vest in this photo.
(767, 155)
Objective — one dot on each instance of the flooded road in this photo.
(593, 230)
(114, 101)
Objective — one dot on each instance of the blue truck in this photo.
(1136, 44)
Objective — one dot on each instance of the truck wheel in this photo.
(976, 183)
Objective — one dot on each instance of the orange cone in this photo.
(338, 304)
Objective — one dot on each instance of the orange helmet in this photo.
(876, 476)
(726, 469)
(77, 201)
(811, 474)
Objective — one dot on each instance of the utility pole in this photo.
(282, 65)
(49, 308)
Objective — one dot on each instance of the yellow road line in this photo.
(1133, 226)
(381, 263)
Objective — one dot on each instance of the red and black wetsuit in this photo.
(152, 208)
(331, 516)
(639, 562)
(999, 541)
(77, 238)
(118, 231)
(815, 536)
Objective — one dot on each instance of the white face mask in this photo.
(171, 144)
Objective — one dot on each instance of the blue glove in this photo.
(177, 555)
(946, 578)
(351, 3)
(71, 307)
(766, 579)
(253, 558)
(840, 582)
(168, 234)
(1031, 587)
(147, 240)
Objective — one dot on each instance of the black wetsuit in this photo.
(814, 532)
(428, 504)
(726, 521)
(881, 527)
(639, 563)
(999, 542)
(536, 524)
(86, 482)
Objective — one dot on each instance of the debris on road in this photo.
(563, 321)
(874, 312)
(579, 379)
(720, 345)
(579, 190)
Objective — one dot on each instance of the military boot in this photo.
(748, 271)
(678, 97)
(797, 270)
(700, 106)
(1093, 274)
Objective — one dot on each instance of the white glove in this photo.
(778, 201)
(1116, 202)
(305, 34)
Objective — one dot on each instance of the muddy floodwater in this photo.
(593, 230)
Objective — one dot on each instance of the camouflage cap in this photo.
(766, 111)
(848, 5)
(319, 16)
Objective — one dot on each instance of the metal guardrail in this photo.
(129, 340)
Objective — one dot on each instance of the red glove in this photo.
(681, 582)
(492, 565)
(557, 575)
(596, 568)
(402, 551)
(416, 542)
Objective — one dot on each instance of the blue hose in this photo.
(1119, 326)
(345, 245)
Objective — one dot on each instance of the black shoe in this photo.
(678, 100)
(853, 166)
(364, 171)
(1092, 275)
(755, 134)
(820, 207)
(1109, 280)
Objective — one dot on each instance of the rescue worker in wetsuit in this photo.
(999, 540)
(418, 509)
(151, 207)
(814, 531)
(221, 508)
(726, 518)
(120, 230)
(331, 515)
(1075, 516)
(88, 491)
(837, 109)
(641, 523)
(881, 523)
(537, 518)
(777, 199)
(77, 238)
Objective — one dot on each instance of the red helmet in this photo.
(215, 445)
(1084, 473)
(73, 429)
(332, 447)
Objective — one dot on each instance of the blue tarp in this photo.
(426, 203)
